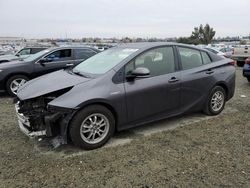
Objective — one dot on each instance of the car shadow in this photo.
(4, 95)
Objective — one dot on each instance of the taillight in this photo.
(232, 63)
(247, 61)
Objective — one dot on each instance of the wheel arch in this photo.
(101, 102)
(224, 86)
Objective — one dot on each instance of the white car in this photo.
(216, 51)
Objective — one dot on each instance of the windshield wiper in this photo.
(79, 73)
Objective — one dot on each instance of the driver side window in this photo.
(159, 61)
(59, 55)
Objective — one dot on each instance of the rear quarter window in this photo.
(206, 58)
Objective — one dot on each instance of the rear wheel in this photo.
(92, 127)
(14, 83)
(216, 101)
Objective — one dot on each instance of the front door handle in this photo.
(69, 64)
(209, 71)
(173, 79)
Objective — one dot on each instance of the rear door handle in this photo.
(173, 79)
(209, 71)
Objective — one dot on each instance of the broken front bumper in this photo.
(24, 125)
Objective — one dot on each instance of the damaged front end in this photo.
(36, 118)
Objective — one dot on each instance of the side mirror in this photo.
(43, 61)
(140, 72)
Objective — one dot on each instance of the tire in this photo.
(79, 134)
(210, 108)
(240, 63)
(4, 61)
(10, 83)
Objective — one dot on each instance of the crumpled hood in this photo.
(49, 83)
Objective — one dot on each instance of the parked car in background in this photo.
(240, 54)
(2, 52)
(15, 73)
(217, 52)
(228, 51)
(124, 87)
(246, 69)
(21, 54)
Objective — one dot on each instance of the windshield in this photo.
(37, 55)
(104, 61)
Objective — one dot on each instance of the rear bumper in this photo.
(231, 86)
(239, 58)
(2, 87)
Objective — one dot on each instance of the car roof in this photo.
(147, 45)
(72, 47)
(35, 47)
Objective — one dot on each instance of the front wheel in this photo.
(216, 101)
(14, 83)
(92, 127)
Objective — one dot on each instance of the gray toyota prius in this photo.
(123, 87)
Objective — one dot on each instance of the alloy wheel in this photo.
(217, 101)
(16, 84)
(94, 128)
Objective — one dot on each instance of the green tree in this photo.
(207, 34)
(200, 35)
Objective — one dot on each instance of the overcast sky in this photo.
(120, 18)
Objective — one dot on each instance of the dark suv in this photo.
(15, 73)
(123, 87)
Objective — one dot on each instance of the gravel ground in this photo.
(211, 152)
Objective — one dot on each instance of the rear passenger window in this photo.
(206, 58)
(83, 53)
(159, 61)
(190, 58)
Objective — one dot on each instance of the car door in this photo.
(159, 93)
(55, 60)
(196, 77)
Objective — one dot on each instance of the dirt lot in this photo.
(199, 152)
